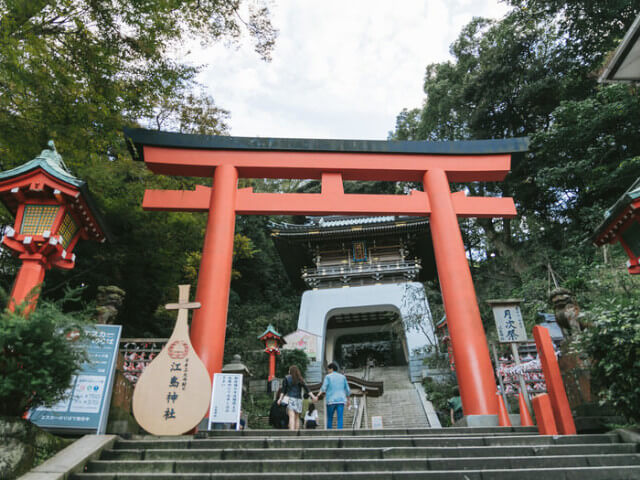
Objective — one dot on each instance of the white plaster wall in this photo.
(317, 306)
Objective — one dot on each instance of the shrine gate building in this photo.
(362, 299)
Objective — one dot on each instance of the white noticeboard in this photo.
(509, 323)
(376, 423)
(226, 399)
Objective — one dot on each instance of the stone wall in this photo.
(23, 446)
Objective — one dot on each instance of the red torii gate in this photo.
(435, 164)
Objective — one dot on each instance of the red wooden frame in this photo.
(224, 201)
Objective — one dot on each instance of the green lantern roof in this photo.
(269, 330)
(51, 162)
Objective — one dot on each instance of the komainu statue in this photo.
(108, 300)
(567, 311)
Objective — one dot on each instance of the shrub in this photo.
(613, 344)
(36, 358)
(439, 394)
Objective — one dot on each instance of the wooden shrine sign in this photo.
(172, 394)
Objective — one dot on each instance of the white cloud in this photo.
(341, 69)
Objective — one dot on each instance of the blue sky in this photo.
(340, 69)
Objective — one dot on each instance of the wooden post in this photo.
(504, 394)
(29, 278)
(473, 363)
(209, 325)
(503, 415)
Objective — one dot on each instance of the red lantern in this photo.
(272, 341)
(53, 212)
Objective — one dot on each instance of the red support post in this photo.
(272, 366)
(209, 324)
(503, 415)
(470, 350)
(30, 276)
(553, 379)
(525, 416)
(544, 415)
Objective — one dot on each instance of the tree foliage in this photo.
(533, 73)
(613, 345)
(78, 71)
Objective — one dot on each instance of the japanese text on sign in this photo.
(226, 398)
(177, 380)
(85, 405)
(509, 323)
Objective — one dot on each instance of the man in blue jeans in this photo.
(337, 389)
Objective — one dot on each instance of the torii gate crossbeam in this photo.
(225, 159)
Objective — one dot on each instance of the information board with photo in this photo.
(85, 406)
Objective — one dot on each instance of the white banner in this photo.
(226, 399)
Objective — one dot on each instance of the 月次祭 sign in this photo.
(85, 406)
(509, 322)
(172, 394)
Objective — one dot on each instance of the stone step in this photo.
(468, 454)
(367, 453)
(571, 473)
(368, 465)
(368, 432)
(360, 442)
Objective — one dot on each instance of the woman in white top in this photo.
(311, 417)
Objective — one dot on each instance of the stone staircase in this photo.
(399, 406)
(453, 453)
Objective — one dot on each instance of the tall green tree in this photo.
(78, 71)
(522, 75)
(534, 73)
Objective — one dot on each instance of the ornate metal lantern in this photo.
(53, 211)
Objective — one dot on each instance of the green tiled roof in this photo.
(270, 330)
(617, 208)
(51, 162)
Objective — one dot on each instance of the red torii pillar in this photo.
(224, 200)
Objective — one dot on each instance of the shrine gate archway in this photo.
(434, 164)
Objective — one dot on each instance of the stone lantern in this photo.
(272, 342)
(236, 366)
(53, 211)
